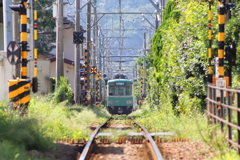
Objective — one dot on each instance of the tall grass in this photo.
(18, 134)
(47, 120)
(193, 126)
(64, 121)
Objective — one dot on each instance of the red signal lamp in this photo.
(210, 25)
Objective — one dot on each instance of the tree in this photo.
(46, 26)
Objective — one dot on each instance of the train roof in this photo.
(119, 80)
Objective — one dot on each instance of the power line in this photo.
(71, 3)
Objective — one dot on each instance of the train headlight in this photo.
(129, 102)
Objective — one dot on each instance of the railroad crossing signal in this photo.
(20, 8)
(98, 76)
(77, 37)
(13, 52)
(93, 69)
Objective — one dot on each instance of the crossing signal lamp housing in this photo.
(230, 54)
(77, 37)
(34, 84)
(20, 8)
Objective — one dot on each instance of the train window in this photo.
(123, 89)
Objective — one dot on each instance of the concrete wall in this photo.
(68, 73)
(68, 48)
(43, 75)
(6, 73)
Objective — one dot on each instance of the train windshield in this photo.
(120, 88)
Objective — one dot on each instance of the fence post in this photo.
(221, 109)
(211, 105)
(214, 105)
(208, 104)
(238, 117)
(229, 114)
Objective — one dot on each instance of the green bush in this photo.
(62, 92)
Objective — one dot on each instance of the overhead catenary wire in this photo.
(71, 3)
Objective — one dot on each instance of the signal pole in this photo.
(59, 44)
(221, 23)
(210, 67)
(19, 89)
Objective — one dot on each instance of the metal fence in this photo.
(223, 107)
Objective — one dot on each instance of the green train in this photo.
(120, 96)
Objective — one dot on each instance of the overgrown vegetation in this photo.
(192, 126)
(62, 92)
(177, 76)
(177, 73)
(47, 120)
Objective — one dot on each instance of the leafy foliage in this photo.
(179, 54)
(62, 92)
(233, 36)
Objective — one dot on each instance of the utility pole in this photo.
(16, 35)
(59, 44)
(89, 45)
(77, 85)
(95, 88)
(144, 63)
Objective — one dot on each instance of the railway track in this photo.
(132, 144)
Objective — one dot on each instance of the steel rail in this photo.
(153, 144)
(87, 149)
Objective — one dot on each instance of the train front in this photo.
(120, 96)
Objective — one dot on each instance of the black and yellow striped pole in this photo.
(98, 88)
(210, 33)
(86, 76)
(23, 38)
(19, 89)
(221, 24)
(35, 52)
(221, 82)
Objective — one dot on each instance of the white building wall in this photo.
(6, 73)
(68, 73)
(68, 48)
